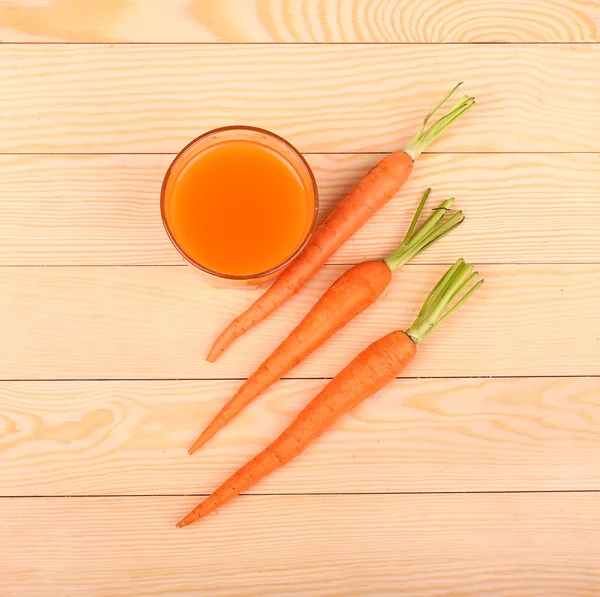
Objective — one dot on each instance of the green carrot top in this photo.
(426, 136)
(447, 296)
(418, 239)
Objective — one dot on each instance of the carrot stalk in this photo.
(353, 292)
(369, 195)
(438, 306)
(426, 137)
(430, 232)
(367, 373)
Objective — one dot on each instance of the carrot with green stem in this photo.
(369, 195)
(353, 292)
(367, 373)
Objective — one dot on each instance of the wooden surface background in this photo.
(477, 474)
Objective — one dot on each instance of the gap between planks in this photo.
(207, 379)
(332, 153)
(298, 494)
(300, 43)
(341, 264)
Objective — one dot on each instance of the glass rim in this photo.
(309, 232)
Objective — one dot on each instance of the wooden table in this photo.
(476, 474)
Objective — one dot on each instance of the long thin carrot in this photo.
(353, 292)
(370, 371)
(370, 194)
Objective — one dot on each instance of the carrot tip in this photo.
(197, 445)
(219, 346)
(207, 434)
(189, 519)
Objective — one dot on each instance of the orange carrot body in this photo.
(369, 195)
(354, 291)
(367, 373)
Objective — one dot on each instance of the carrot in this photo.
(367, 373)
(370, 194)
(353, 292)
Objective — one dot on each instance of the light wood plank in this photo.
(111, 438)
(148, 98)
(90, 209)
(313, 21)
(158, 322)
(478, 545)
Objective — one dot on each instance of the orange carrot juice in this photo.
(239, 207)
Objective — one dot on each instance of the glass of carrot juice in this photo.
(239, 203)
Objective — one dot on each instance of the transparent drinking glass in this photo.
(285, 151)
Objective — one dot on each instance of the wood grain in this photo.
(499, 545)
(378, 506)
(158, 322)
(348, 98)
(103, 209)
(115, 438)
(312, 21)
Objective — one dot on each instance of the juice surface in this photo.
(239, 208)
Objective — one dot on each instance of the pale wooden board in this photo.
(498, 545)
(90, 209)
(417, 435)
(158, 322)
(312, 21)
(148, 98)
(114, 438)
